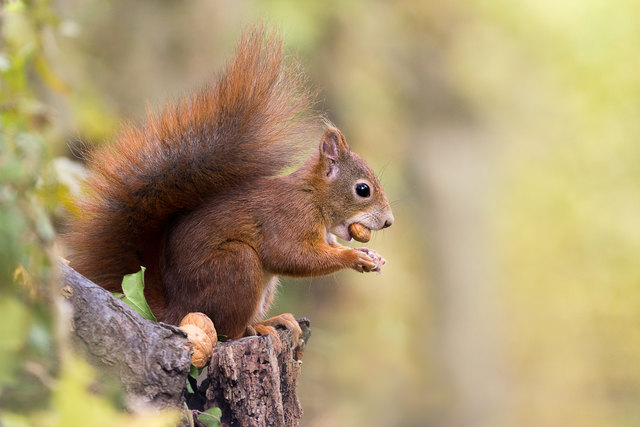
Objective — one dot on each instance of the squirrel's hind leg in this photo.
(282, 321)
(227, 287)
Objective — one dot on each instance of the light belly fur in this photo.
(269, 287)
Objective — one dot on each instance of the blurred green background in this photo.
(506, 133)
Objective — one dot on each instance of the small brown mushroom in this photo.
(359, 232)
(202, 345)
(203, 322)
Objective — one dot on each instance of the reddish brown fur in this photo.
(195, 197)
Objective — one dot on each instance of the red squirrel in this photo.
(198, 197)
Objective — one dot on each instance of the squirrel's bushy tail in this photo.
(248, 124)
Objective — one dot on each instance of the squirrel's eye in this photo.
(363, 190)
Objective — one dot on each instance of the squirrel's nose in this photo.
(389, 217)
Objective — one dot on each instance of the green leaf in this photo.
(211, 417)
(194, 372)
(133, 288)
(13, 330)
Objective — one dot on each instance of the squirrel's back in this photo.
(248, 124)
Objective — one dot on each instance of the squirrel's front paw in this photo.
(367, 260)
(375, 256)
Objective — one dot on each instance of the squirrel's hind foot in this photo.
(283, 321)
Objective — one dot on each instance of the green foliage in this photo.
(73, 403)
(14, 336)
(42, 383)
(192, 379)
(75, 383)
(28, 195)
(133, 288)
(190, 389)
(211, 417)
(195, 372)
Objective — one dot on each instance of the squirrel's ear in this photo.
(331, 146)
(333, 143)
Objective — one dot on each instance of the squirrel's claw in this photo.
(285, 321)
(369, 260)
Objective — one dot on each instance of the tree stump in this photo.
(252, 380)
(268, 373)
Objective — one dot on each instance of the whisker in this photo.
(380, 174)
(396, 201)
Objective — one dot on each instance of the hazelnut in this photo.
(359, 232)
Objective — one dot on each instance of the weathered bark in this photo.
(252, 380)
(259, 390)
(150, 359)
